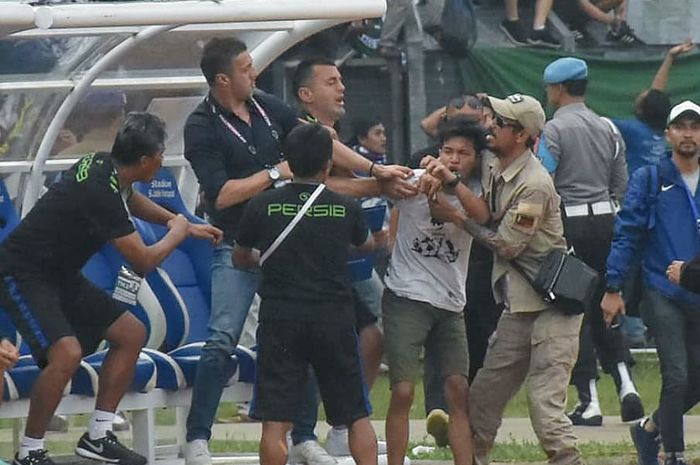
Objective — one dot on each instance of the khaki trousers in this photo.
(541, 348)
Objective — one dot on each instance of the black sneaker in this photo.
(35, 457)
(631, 407)
(543, 38)
(515, 31)
(108, 449)
(646, 443)
(671, 459)
(624, 34)
(585, 415)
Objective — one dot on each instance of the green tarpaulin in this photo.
(613, 84)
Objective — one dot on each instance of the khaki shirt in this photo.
(525, 208)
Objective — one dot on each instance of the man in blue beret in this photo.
(586, 156)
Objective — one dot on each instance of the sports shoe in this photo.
(631, 407)
(515, 31)
(310, 453)
(586, 415)
(197, 452)
(543, 38)
(108, 449)
(35, 457)
(646, 443)
(624, 34)
(338, 444)
(436, 425)
(671, 459)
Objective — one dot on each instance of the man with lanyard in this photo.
(586, 156)
(518, 219)
(63, 316)
(232, 141)
(660, 219)
(307, 317)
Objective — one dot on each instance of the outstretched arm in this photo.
(661, 78)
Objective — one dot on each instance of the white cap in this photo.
(683, 107)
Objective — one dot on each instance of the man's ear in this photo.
(305, 94)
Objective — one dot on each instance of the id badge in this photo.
(127, 286)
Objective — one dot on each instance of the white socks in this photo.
(626, 384)
(100, 423)
(29, 444)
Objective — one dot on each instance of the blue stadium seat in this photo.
(9, 219)
(189, 266)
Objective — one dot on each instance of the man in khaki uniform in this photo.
(519, 219)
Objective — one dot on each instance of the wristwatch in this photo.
(455, 181)
(612, 289)
(273, 173)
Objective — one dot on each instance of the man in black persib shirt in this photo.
(306, 312)
(60, 314)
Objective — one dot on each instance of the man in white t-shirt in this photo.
(425, 292)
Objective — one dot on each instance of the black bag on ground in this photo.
(458, 26)
(567, 282)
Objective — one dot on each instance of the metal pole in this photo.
(193, 12)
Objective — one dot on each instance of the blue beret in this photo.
(565, 69)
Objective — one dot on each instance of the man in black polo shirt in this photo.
(306, 313)
(232, 140)
(60, 314)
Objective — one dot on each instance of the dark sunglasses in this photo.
(502, 123)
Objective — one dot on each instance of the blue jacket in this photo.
(660, 233)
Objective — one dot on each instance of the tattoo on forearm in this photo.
(491, 239)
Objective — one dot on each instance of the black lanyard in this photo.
(251, 148)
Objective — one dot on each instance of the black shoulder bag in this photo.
(565, 281)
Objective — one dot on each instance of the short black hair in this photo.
(305, 70)
(217, 56)
(460, 126)
(308, 148)
(362, 124)
(576, 88)
(141, 134)
(654, 108)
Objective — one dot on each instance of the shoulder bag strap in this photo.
(292, 224)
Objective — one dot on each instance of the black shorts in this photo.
(45, 310)
(285, 351)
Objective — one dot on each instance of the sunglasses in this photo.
(502, 123)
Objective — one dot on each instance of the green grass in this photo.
(646, 375)
(645, 372)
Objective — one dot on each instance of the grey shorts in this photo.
(410, 326)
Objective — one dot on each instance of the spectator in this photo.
(539, 36)
(425, 293)
(533, 339)
(659, 220)
(599, 10)
(586, 157)
(481, 312)
(646, 145)
(468, 105)
(306, 312)
(97, 123)
(60, 314)
(399, 13)
(369, 139)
